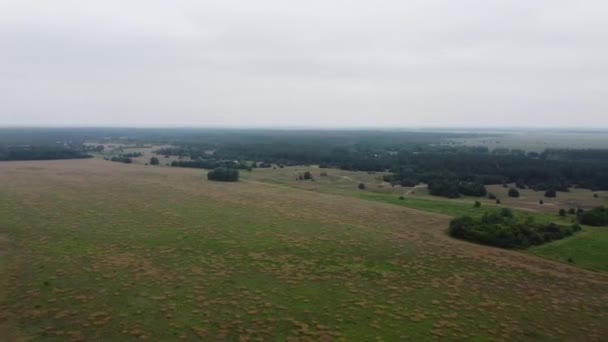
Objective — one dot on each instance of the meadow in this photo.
(588, 249)
(96, 250)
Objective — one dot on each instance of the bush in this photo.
(597, 216)
(491, 196)
(154, 161)
(562, 212)
(223, 174)
(497, 201)
(506, 231)
(361, 186)
(550, 193)
(571, 211)
(477, 204)
(307, 175)
(541, 202)
(513, 192)
(401, 197)
(596, 195)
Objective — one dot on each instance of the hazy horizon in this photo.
(321, 64)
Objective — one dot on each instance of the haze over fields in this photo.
(313, 63)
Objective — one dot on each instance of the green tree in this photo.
(154, 161)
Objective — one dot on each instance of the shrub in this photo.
(491, 196)
(154, 161)
(307, 175)
(497, 201)
(223, 174)
(513, 192)
(361, 186)
(541, 202)
(562, 212)
(401, 197)
(507, 231)
(596, 195)
(571, 211)
(597, 216)
(550, 193)
(477, 204)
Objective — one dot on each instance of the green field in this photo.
(589, 249)
(107, 251)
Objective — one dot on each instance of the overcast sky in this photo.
(304, 63)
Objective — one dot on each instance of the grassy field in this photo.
(593, 256)
(107, 251)
(588, 248)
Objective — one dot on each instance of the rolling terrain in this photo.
(107, 251)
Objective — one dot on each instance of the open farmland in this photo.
(100, 250)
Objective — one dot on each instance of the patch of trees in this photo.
(223, 174)
(597, 216)
(503, 229)
(513, 193)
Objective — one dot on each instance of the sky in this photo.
(327, 63)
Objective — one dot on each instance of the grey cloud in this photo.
(316, 63)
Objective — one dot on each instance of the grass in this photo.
(588, 249)
(107, 251)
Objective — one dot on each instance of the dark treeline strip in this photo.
(125, 160)
(49, 152)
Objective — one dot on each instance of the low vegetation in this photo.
(505, 230)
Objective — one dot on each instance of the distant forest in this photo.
(411, 157)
